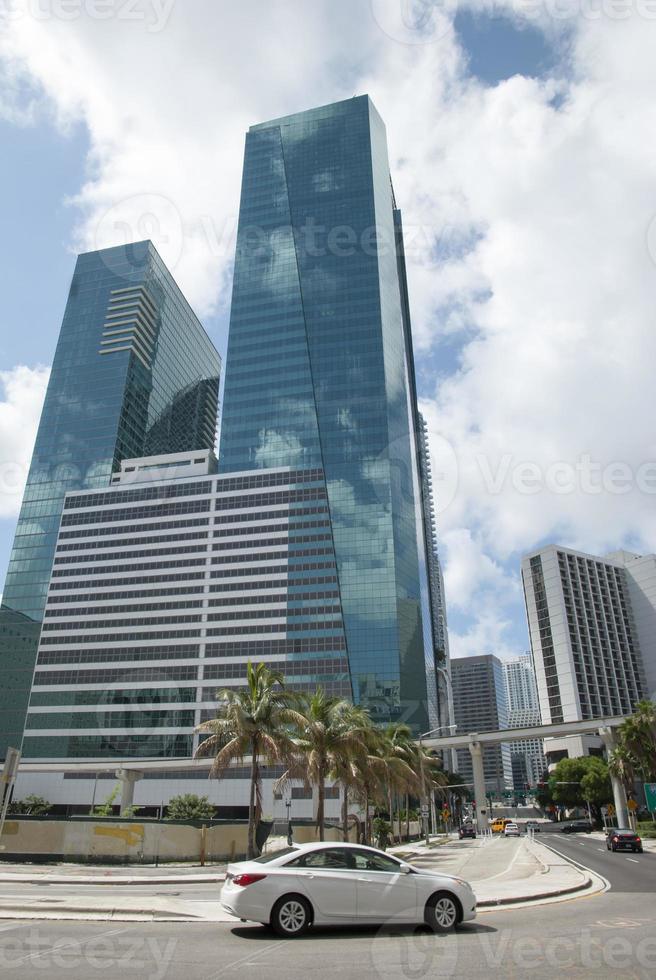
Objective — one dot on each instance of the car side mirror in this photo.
(405, 869)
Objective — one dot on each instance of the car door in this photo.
(384, 891)
(328, 878)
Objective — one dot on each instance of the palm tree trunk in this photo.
(345, 813)
(407, 816)
(321, 804)
(391, 810)
(251, 805)
(367, 838)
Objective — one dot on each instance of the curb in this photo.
(33, 911)
(540, 897)
(582, 867)
(106, 880)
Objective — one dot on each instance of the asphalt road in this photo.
(602, 937)
(626, 872)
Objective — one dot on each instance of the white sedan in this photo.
(342, 884)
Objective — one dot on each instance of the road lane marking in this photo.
(635, 861)
(250, 958)
(601, 849)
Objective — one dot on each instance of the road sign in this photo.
(650, 796)
(611, 810)
(425, 809)
(446, 813)
(632, 805)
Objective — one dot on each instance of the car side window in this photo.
(367, 861)
(334, 857)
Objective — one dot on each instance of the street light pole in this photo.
(428, 804)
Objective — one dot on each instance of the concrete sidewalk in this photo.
(82, 874)
(502, 872)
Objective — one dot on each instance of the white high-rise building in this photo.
(592, 625)
(527, 756)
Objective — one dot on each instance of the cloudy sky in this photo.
(523, 152)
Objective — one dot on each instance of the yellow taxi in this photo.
(498, 825)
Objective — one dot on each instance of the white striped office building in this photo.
(163, 587)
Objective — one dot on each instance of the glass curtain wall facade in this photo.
(320, 374)
(133, 373)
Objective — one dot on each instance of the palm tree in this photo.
(349, 767)
(395, 751)
(637, 736)
(252, 721)
(323, 739)
(622, 764)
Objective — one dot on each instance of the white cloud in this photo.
(24, 390)
(528, 207)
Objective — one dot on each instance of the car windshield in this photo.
(272, 855)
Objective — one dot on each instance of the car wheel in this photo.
(613, 848)
(443, 912)
(291, 916)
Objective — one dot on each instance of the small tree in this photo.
(581, 780)
(32, 805)
(189, 806)
(106, 809)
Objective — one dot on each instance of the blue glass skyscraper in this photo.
(134, 373)
(320, 374)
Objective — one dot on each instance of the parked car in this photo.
(533, 825)
(340, 884)
(577, 827)
(511, 829)
(467, 830)
(623, 839)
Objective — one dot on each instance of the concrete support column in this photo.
(476, 752)
(609, 739)
(127, 778)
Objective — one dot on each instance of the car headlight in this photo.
(461, 881)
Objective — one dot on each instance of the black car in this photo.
(467, 830)
(577, 827)
(623, 839)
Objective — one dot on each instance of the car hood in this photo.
(427, 873)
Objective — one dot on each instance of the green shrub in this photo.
(32, 805)
(189, 806)
(647, 828)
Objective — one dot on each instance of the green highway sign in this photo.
(650, 796)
